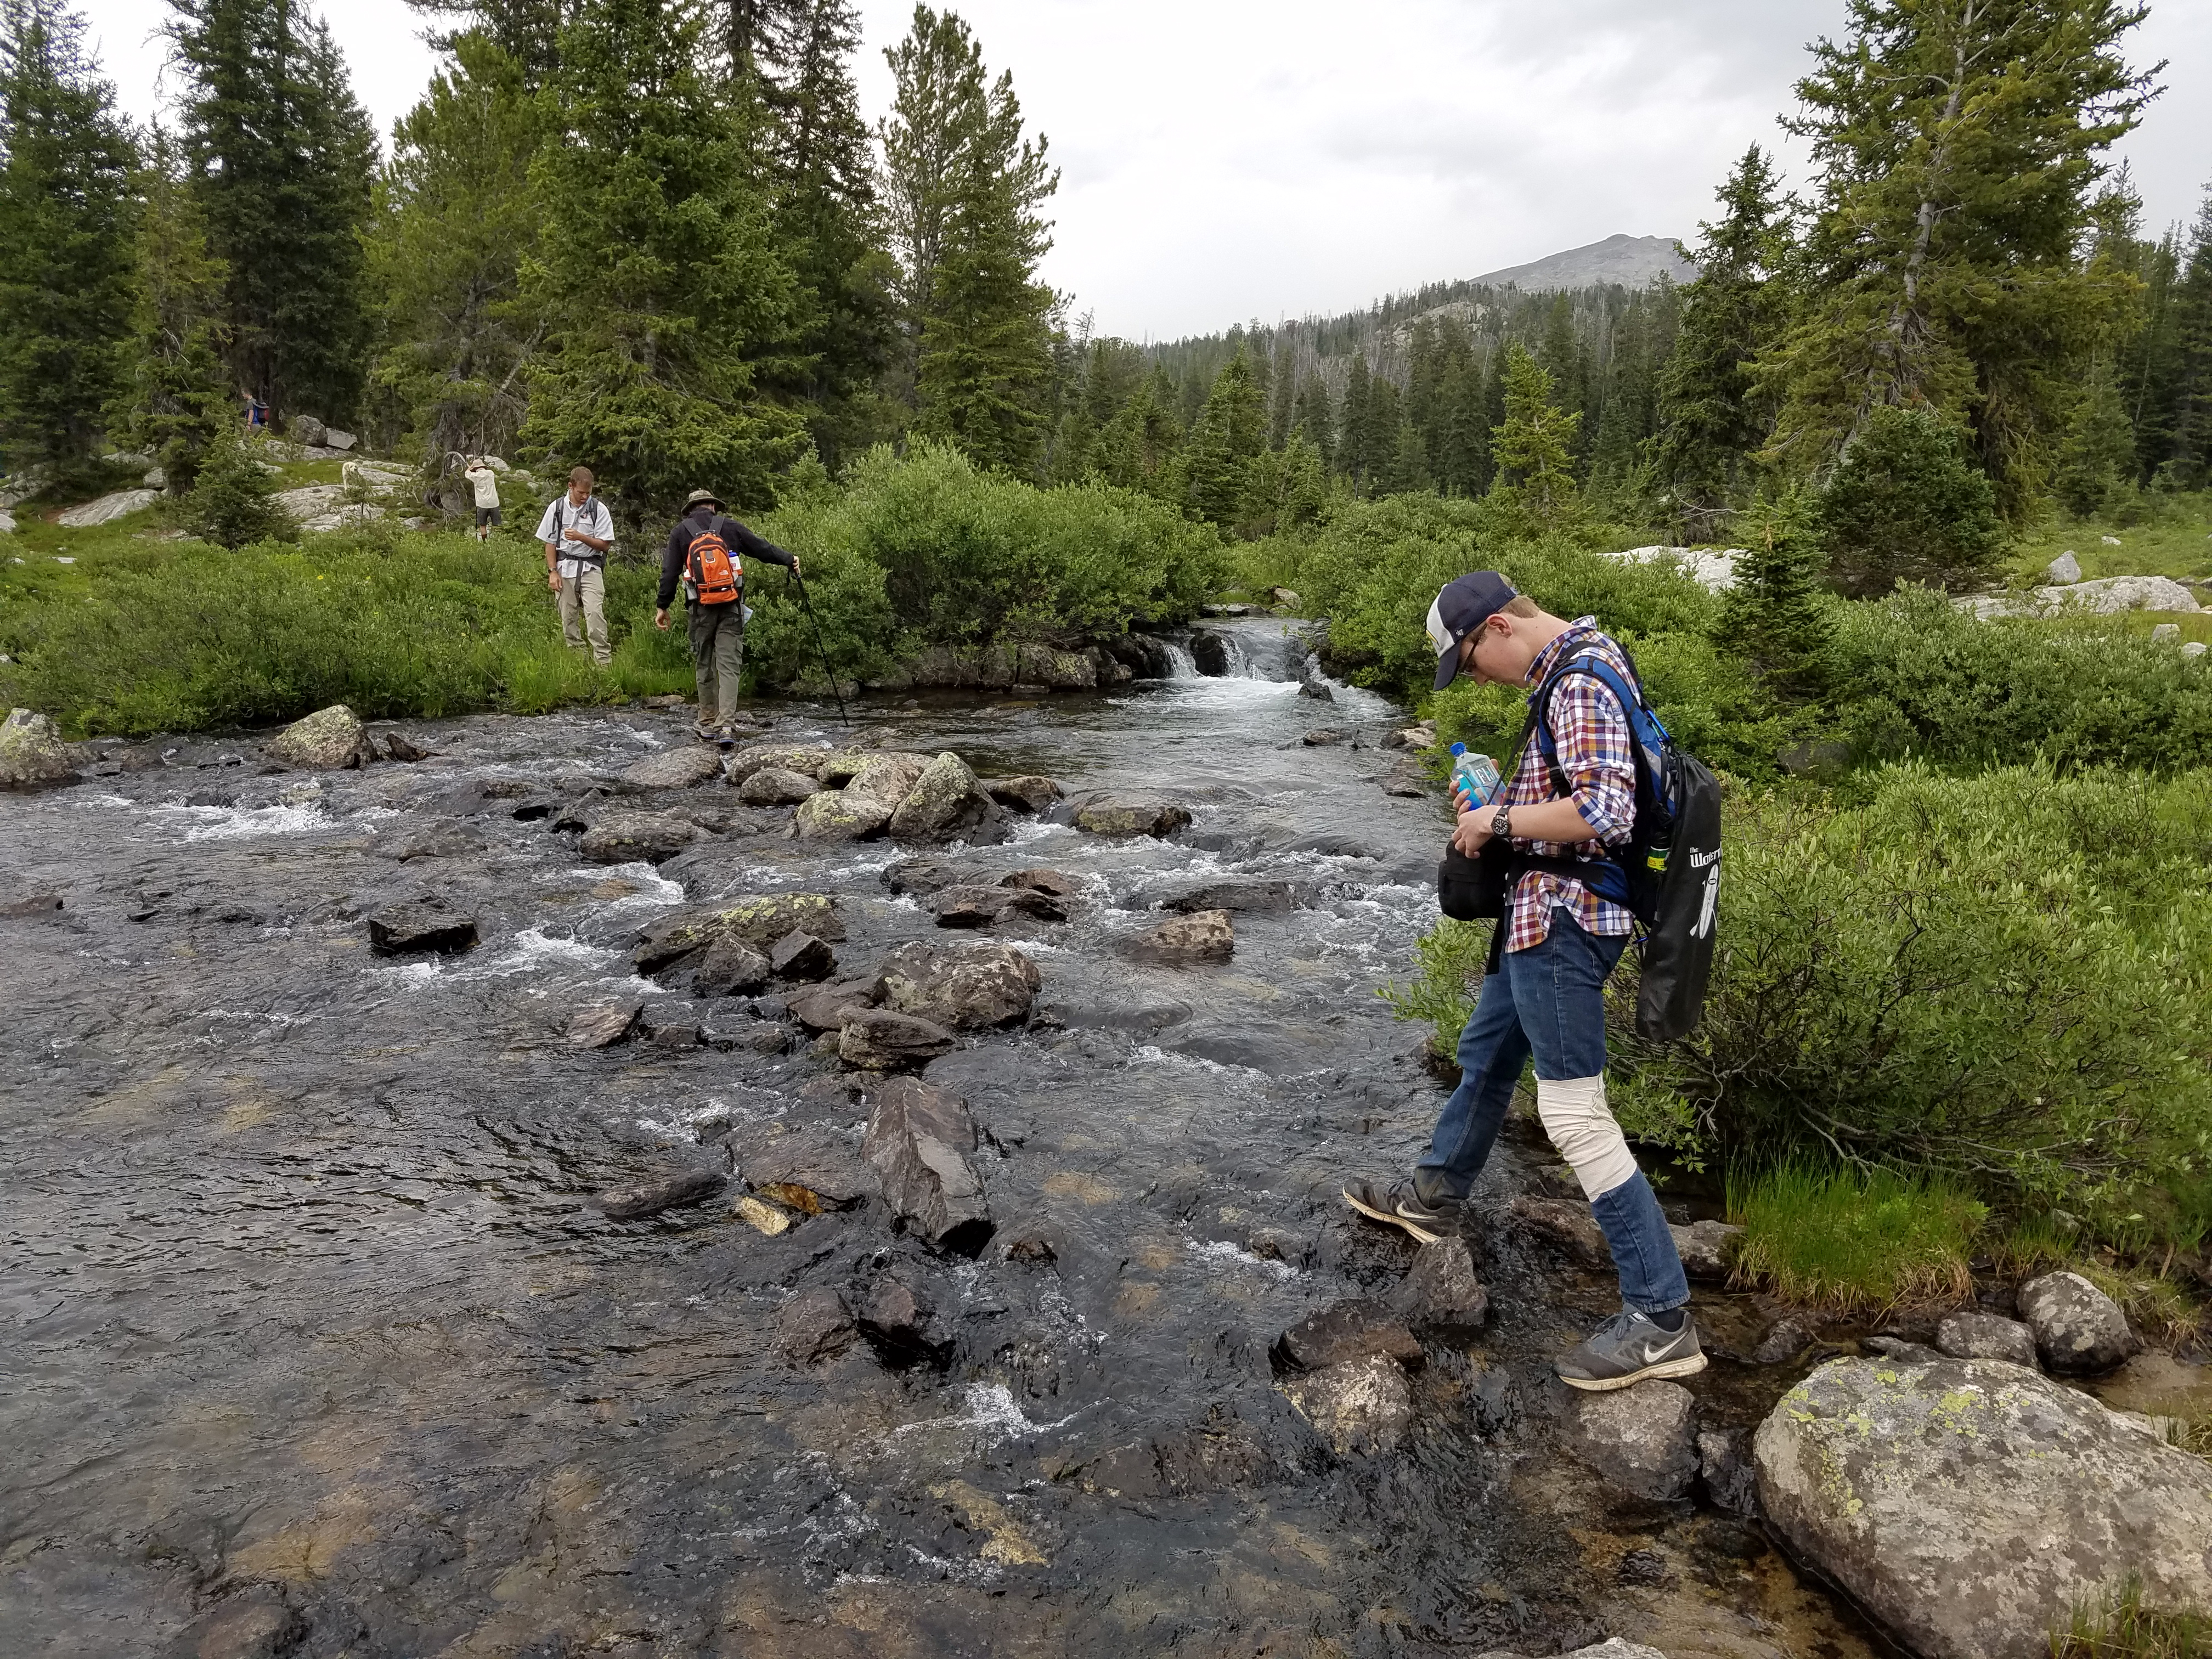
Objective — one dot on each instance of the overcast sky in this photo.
(1224, 160)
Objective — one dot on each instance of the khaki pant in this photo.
(587, 592)
(718, 659)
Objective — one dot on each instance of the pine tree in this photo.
(527, 32)
(655, 275)
(1282, 411)
(445, 253)
(1906, 505)
(1534, 448)
(232, 502)
(178, 404)
(1314, 423)
(65, 228)
(2172, 401)
(1961, 145)
(1778, 612)
(1352, 429)
(1711, 418)
(282, 157)
(2096, 460)
(964, 187)
(1378, 435)
(1626, 410)
(1230, 430)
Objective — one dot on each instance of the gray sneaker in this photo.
(1402, 1207)
(1627, 1348)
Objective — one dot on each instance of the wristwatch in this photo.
(1500, 824)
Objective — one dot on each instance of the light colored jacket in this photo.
(485, 481)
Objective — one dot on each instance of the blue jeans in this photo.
(1548, 1002)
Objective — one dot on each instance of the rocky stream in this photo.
(531, 1201)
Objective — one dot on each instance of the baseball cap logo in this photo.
(1439, 636)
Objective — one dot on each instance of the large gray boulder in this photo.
(775, 786)
(948, 803)
(108, 508)
(1202, 936)
(1971, 1504)
(1125, 814)
(879, 1040)
(2079, 1330)
(839, 815)
(1642, 1440)
(32, 751)
(627, 837)
(329, 740)
(675, 768)
(1986, 1336)
(964, 988)
(920, 1142)
(2062, 571)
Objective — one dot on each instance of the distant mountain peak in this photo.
(1632, 261)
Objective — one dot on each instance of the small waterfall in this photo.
(1181, 665)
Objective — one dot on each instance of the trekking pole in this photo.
(805, 598)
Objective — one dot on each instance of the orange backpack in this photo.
(714, 573)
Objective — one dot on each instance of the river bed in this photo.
(318, 1344)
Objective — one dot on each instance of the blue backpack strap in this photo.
(1604, 875)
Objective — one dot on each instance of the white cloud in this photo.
(1229, 161)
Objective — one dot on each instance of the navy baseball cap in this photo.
(1462, 605)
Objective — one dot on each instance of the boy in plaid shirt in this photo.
(1546, 1002)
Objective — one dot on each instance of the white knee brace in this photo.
(1574, 1113)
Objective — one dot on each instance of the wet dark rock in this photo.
(919, 1140)
(38, 905)
(329, 740)
(827, 1007)
(675, 1036)
(728, 968)
(1440, 1292)
(814, 1325)
(1325, 737)
(1031, 1250)
(898, 1321)
(878, 1040)
(1362, 1406)
(434, 841)
(578, 815)
(1123, 815)
(1406, 780)
(1052, 883)
(1706, 1247)
(768, 1040)
(627, 837)
(602, 1027)
(1639, 1440)
(536, 809)
(964, 988)
(948, 803)
(1613, 1646)
(1495, 1401)
(675, 768)
(672, 1192)
(1724, 1465)
(1203, 936)
(776, 786)
(923, 876)
(1986, 1336)
(1143, 655)
(1352, 1329)
(1566, 1225)
(258, 1624)
(424, 924)
(1782, 1343)
(801, 956)
(757, 922)
(1641, 1567)
(1900, 1350)
(1210, 653)
(398, 746)
(1026, 794)
(2079, 1330)
(1319, 689)
(1248, 896)
(1971, 1504)
(963, 906)
(810, 1169)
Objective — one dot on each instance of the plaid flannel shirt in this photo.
(1595, 753)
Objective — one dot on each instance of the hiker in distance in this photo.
(577, 530)
(706, 553)
(1544, 994)
(484, 482)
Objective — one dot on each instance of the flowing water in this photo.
(316, 1343)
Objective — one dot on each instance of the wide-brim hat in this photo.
(697, 496)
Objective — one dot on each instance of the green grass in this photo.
(2175, 540)
(1854, 1241)
(2123, 1628)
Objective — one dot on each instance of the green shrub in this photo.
(1911, 675)
(232, 503)
(1905, 505)
(1853, 1240)
(2006, 978)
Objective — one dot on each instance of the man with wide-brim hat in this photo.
(706, 553)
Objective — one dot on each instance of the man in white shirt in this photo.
(577, 530)
(485, 483)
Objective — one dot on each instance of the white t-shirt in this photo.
(485, 481)
(591, 517)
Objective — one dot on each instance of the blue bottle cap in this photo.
(1459, 748)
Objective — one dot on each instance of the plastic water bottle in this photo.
(1474, 776)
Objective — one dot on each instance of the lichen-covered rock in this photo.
(889, 776)
(920, 1141)
(963, 986)
(948, 803)
(2079, 1330)
(627, 837)
(32, 751)
(758, 922)
(807, 758)
(329, 740)
(846, 814)
(1986, 1336)
(776, 786)
(1642, 1440)
(675, 768)
(878, 1040)
(1971, 1504)
(1127, 815)
(423, 924)
(1362, 1407)
(1706, 1247)
(1203, 936)
(1026, 794)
